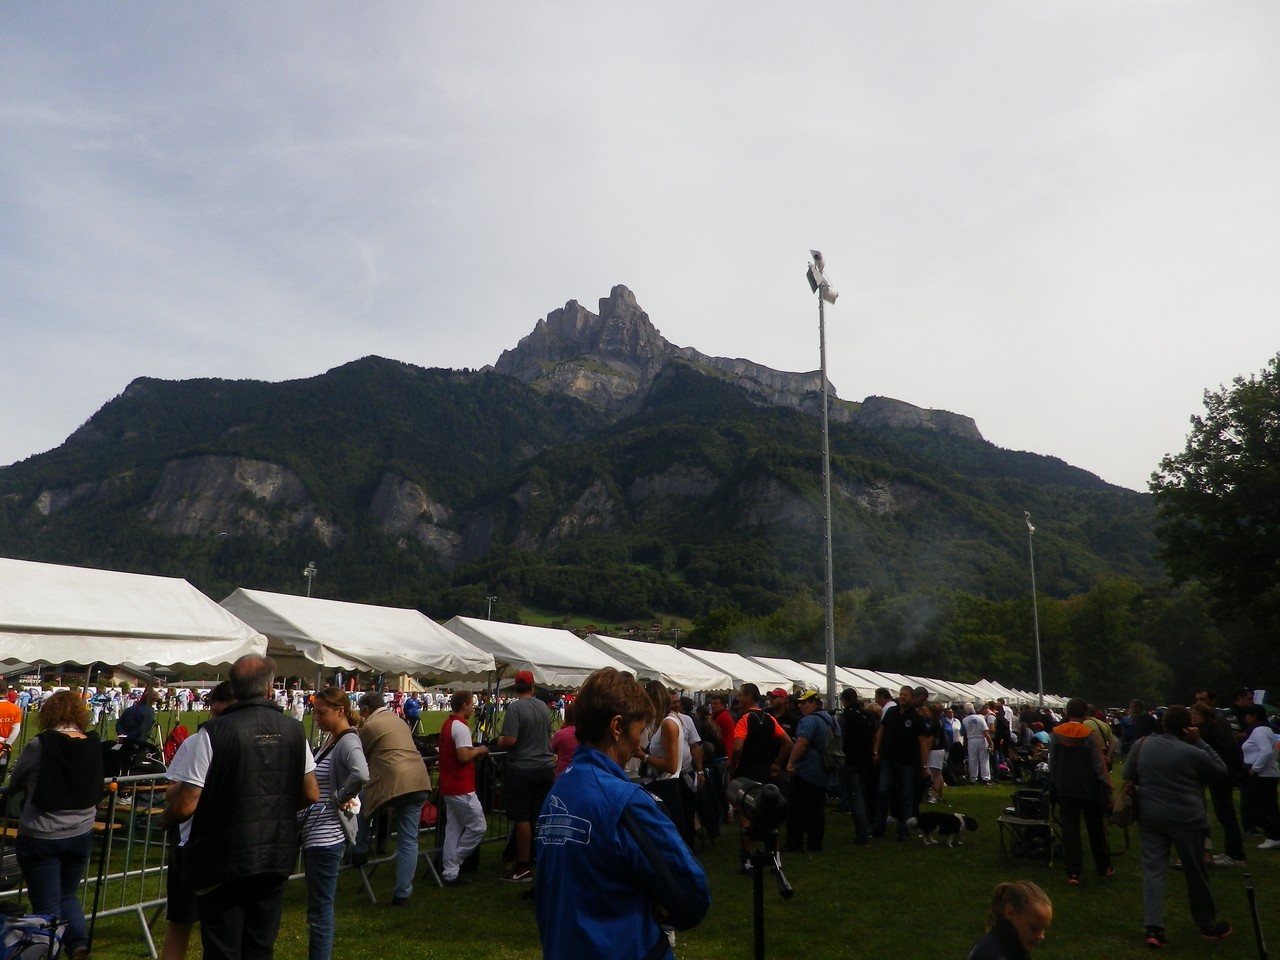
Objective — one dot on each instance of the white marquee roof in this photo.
(657, 661)
(57, 614)
(557, 658)
(356, 636)
(740, 669)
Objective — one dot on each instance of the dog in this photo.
(936, 827)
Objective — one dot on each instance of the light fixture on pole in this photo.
(310, 574)
(1035, 610)
(492, 601)
(826, 294)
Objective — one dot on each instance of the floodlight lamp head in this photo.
(829, 293)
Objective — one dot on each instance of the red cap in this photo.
(779, 692)
(524, 676)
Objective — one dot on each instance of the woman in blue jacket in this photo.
(612, 869)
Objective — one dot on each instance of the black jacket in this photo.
(246, 819)
(1000, 943)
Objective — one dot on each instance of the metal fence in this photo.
(128, 869)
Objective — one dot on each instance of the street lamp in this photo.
(1035, 610)
(826, 294)
(310, 574)
(492, 601)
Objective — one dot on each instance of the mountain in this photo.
(595, 469)
(612, 359)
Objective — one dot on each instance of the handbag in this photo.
(1124, 805)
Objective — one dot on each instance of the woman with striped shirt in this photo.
(341, 771)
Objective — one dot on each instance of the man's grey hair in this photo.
(372, 701)
(251, 677)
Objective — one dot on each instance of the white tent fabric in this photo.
(356, 636)
(939, 690)
(845, 677)
(675, 668)
(57, 614)
(556, 658)
(741, 669)
(796, 672)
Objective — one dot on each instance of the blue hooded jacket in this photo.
(607, 859)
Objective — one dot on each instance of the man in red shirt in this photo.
(724, 723)
(760, 751)
(464, 824)
(10, 721)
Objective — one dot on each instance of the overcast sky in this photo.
(1059, 218)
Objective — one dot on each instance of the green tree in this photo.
(1218, 502)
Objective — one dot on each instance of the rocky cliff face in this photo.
(882, 412)
(212, 495)
(612, 359)
(405, 511)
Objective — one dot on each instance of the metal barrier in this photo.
(128, 868)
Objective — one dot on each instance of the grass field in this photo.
(891, 899)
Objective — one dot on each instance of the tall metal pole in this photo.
(829, 623)
(1035, 611)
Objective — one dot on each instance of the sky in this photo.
(1061, 219)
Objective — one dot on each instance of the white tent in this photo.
(796, 672)
(557, 658)
(675, 668)
(741, 669)
(58, 614)
(845, 677)
(356, 636)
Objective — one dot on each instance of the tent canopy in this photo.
(57, 614)
(556, 658)
(356, 636)
(675, 668)
(741, 669)
(810, 678)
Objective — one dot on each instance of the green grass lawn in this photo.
(899, 900)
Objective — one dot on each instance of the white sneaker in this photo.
(1269, 845)
(1222, 860)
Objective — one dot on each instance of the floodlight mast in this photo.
(818, 283)
(1035, 609)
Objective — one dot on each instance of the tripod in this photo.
(764, 853)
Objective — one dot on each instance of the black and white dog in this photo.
(936, 827)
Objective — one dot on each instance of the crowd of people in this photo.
(606, 808)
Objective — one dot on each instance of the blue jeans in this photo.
(897, 794)
(321, 866)
(53, 870)
(853, 789)
(407, 811)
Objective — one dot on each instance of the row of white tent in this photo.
(56, 614)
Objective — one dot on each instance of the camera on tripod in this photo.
(762, 804)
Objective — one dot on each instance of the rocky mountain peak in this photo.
(611, 360)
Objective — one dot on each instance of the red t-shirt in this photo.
(724, 721)
(10, 713)
(456, 778)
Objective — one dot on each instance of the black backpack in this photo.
(833, 747)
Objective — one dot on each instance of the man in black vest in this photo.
(248, 774)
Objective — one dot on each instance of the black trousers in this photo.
(806, 815)
(1222, 795)
(239, 920)
(1070, 810)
